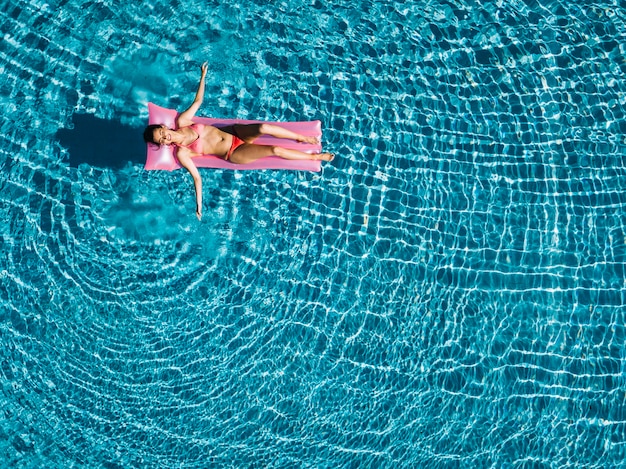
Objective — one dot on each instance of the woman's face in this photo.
(162, 136)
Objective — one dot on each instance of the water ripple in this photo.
(448, 292)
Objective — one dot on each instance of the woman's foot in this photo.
(326, 156)
(311, 140)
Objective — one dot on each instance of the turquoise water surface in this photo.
(449, 292)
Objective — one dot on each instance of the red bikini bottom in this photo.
(237, 142)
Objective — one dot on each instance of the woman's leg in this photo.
(249, 132)
(249, 152)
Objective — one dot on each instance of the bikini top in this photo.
(196, 145)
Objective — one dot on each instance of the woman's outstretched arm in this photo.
(187, 163)
(185, 117)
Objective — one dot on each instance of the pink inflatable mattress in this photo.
(163, 157)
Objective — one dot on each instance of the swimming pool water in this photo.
(449, 292)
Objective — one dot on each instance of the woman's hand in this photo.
(204, 67)
(199, 213)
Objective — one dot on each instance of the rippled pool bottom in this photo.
(447, 293)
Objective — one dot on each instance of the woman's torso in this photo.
(206, 140)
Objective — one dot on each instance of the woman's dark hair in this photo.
(148, 134)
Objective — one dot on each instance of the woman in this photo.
(233, 143)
